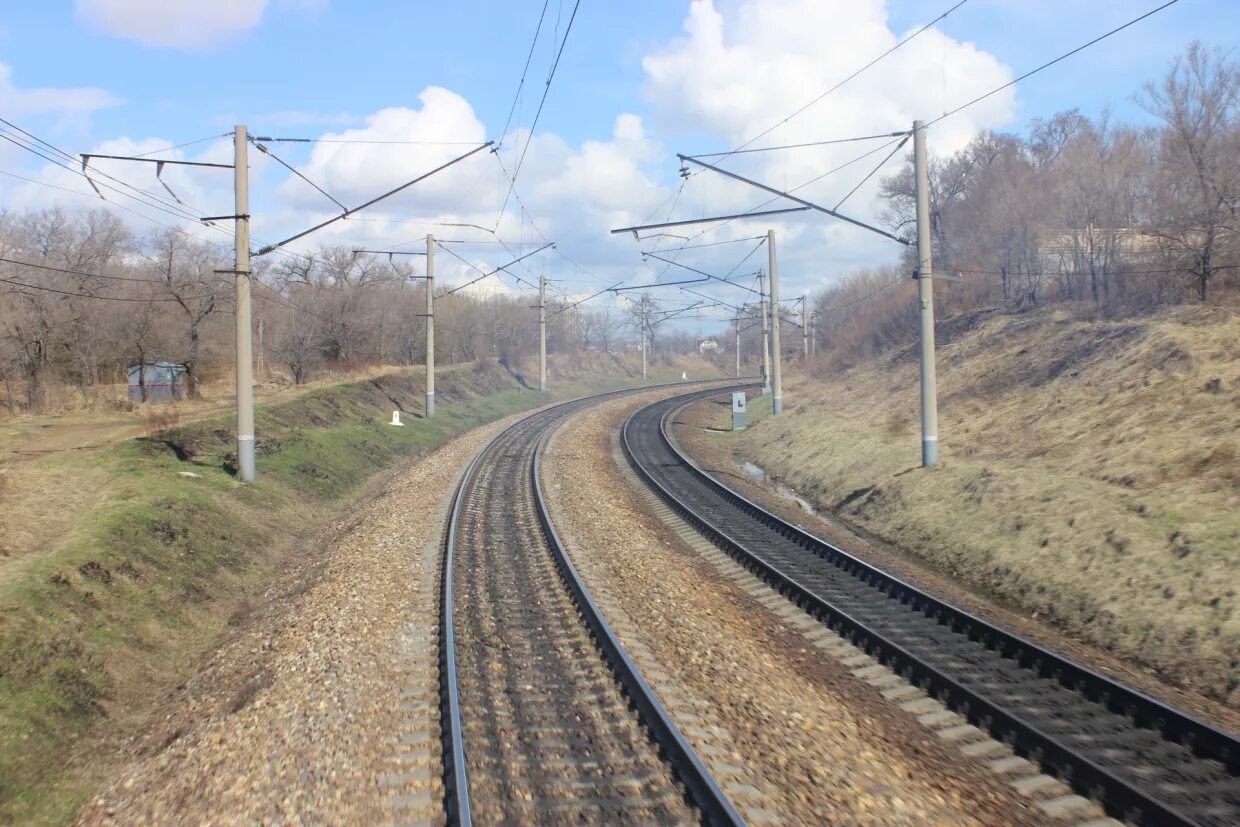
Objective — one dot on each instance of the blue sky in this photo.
(88, 73)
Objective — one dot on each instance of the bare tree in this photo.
(187, 271)
(1199, 156)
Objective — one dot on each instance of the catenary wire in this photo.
(773, 127)
(97, 297)
(1050, 63)
(538, 113)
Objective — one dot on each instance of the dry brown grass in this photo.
(1090, 475)
(157, 419)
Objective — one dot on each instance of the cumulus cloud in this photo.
(736, 70)
(574, 194)
(181, 24)
(735, 73)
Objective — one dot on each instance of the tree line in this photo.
(1115, 217)
(82, 297)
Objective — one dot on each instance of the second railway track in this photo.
(1143, 760)
(547, 720)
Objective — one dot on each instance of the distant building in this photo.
(163, 381)
(708, 346)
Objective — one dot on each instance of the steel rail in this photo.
(679, 754)
(686, 763)
(1118, 795)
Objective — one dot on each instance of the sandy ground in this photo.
(790, 737)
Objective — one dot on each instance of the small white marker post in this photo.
(396, 419)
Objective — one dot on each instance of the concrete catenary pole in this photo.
(804, 328)
(777, 385)
(241, 279)
(766, 339)
(542, 332)
(925, 299)
(430, 325)
(738, 343)
(645, 324)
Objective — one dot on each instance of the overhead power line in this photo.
(272, 140)
(752, 211)
(873, 172)
(588, 298)
(79, 272)
(270, 247)
(1050, 63)
(794, 198)
(799, 146)
(78, 295)
(267, 151)
(187, 143)
(503, 267)
(869, 297)
(521, 84)
(70, 163)
(538, 114)
(712, 244)
(775, 126)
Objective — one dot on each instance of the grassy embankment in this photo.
(98, 627)
(1090, 475)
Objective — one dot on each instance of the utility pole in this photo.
(738, 343)
(645, 324)
(766, 339)
(804, 329)
(260, 358)
(430, 325)
(813, 343)
(925, 297)
(241, 279)
(777, 397)
(542, 332)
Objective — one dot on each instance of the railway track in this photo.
(1144, 761)
(547, 720)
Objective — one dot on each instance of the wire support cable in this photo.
(267, 151)
(867, 66)
(94, 296)
(1050, 63)
(538, 113)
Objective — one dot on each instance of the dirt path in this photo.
(30, 438)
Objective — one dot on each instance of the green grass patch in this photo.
(125, 607)
(105, 624)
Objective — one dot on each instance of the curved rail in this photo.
(1203, 781)
(704, 792)
(702, 786)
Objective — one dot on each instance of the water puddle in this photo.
(758, 474)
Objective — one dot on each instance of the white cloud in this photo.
(195, 25)
(68, 103)
(575, 194)
(738, 71)
(131, 189)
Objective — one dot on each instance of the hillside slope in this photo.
(1090, 475)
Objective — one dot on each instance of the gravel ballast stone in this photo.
(789, 734)
(324, 708)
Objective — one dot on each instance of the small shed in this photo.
(164, 381)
